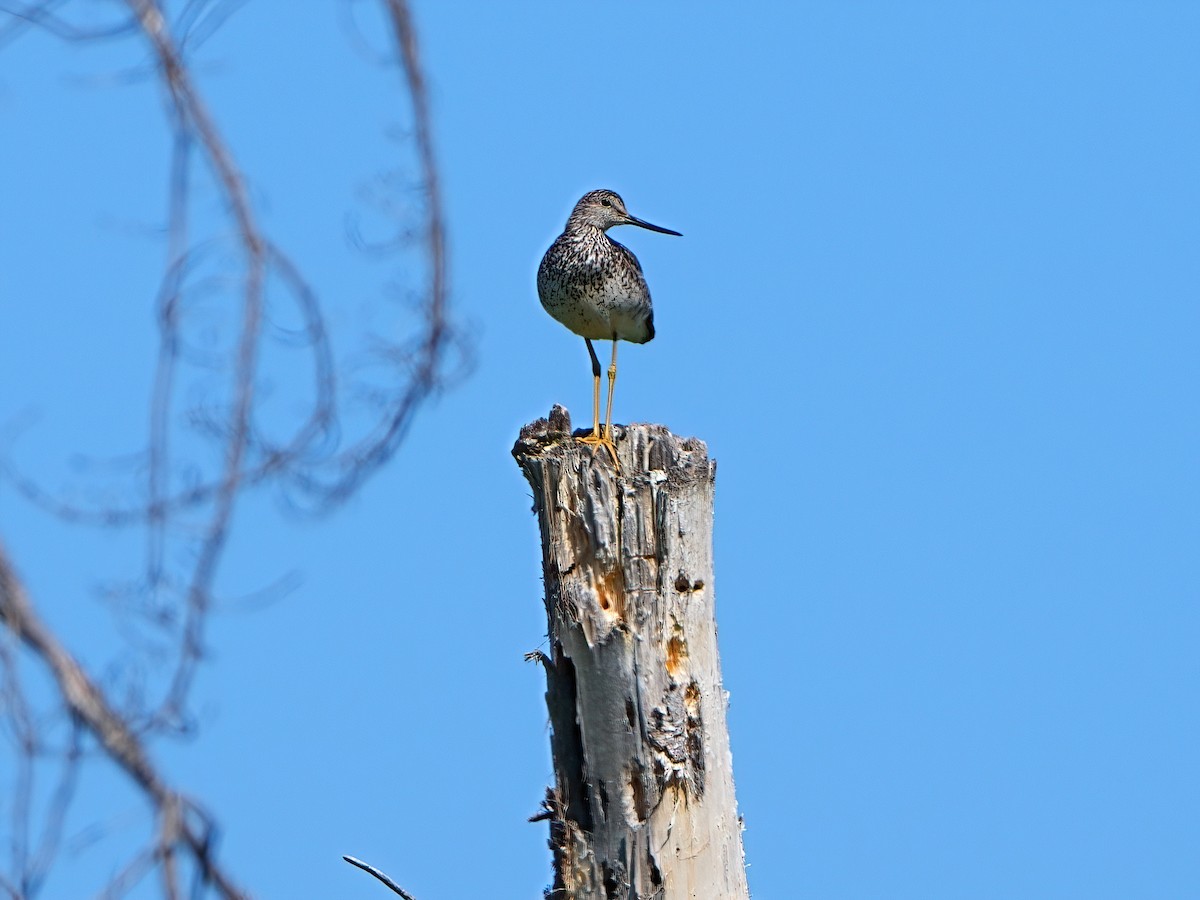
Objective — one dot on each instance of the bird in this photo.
(595, 287)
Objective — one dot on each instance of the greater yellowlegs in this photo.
(595, 287)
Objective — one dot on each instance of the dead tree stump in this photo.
(643, 805)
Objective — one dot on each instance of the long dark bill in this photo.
(642, 223)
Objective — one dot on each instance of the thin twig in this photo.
(43, 859)
(380, 875)
(42, 15)
(190, 109)
(361, 461)
(88, 704)
(197, 510)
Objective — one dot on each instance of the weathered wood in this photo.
(643, 806)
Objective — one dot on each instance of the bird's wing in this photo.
(628, 255)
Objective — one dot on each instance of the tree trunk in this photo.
(643, 806)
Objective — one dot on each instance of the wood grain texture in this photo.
(643, 806)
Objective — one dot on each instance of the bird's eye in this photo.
(606, 202)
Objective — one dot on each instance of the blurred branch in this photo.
(43, 15)
(89, 706)
(191, 113)
(185, 506)
(360, 461)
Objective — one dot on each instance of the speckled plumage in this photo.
(595, 287)
(592, 284)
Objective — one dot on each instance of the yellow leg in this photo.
(612, 383)
(598, 438)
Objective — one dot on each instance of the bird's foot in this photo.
(596, 440)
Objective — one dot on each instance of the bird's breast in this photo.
(595, 288)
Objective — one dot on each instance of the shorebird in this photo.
(595, 287)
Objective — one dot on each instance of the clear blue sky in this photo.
(935, 312)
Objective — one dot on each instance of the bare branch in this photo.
(129, 876)
(361, 461)
(190, 110)
(89, 706)
(380, 875)
(187, 507)
(43, 15)
(43, 859)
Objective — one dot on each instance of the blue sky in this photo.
(934, 311)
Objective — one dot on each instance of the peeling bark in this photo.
(643, 806)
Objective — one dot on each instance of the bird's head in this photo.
(604, 209)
